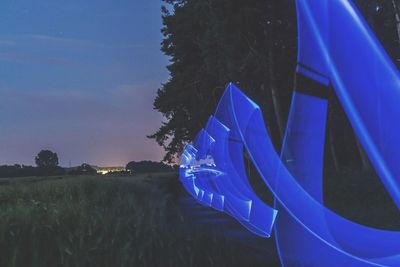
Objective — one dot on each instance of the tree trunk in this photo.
(277, 108)
(269, 110)
(333, 151)
(331, 138)
(364, 159)
(397, 17)
(271, 73)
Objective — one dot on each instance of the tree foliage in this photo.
(46, 159)
(9, 171)
(212, 43)
(84, 169)
(148, 167)
(252, 43)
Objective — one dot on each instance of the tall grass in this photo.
(104, 222)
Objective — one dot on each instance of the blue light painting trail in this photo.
(346, 56)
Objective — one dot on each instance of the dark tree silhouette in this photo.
(46, 159)
(8, 171)
(148, 167)
(212, 43)
(252, 43)
(84, 169)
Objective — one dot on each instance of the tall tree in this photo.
(252, 43)
(214, 42)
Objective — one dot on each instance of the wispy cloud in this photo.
(66, 42)
(64, 51)
(80, 43)
(7, 43)
(25, 57)
(121, 103)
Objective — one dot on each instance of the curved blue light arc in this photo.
(363, 76)
(306, 213)
(346, 56)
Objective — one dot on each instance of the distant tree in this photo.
(84, 169)
(8, 171)
(47, 163)
(46, 159)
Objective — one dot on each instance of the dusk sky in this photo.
(79, 78)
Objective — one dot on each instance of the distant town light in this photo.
(107, 170)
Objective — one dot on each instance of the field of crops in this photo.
(137, 221)
(94, 221)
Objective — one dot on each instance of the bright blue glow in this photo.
(212, 168)
(347, 55)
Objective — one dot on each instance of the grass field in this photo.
(95, 221)
(135, 221)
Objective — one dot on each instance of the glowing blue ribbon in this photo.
(335, 47)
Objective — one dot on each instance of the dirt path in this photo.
(221, 224)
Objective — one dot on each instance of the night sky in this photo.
(79, 78)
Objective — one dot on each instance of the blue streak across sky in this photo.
(79, 77)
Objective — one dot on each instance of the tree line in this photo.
(252, 43)
(47, 164)
(147, 166)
